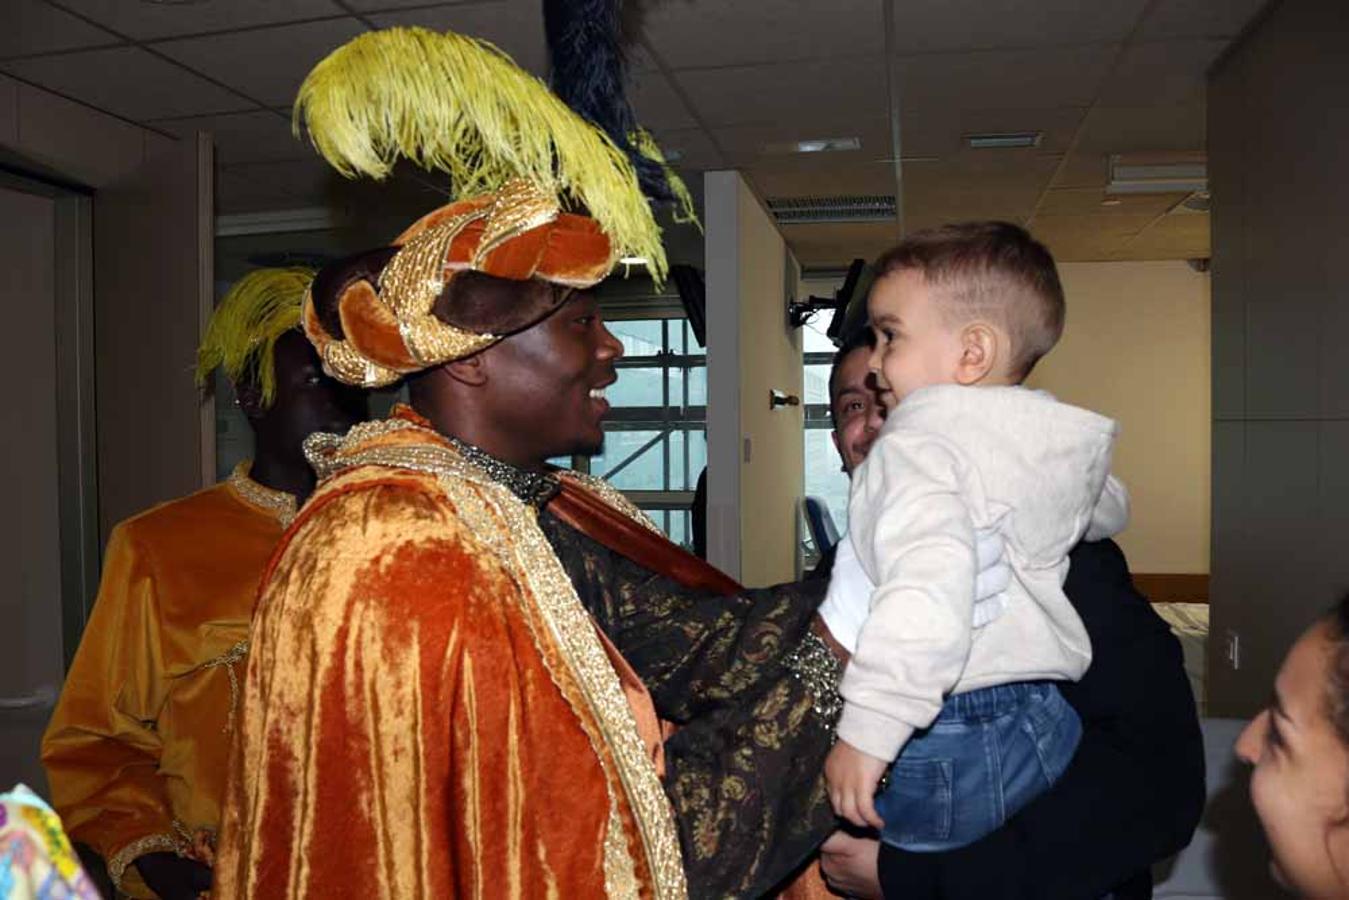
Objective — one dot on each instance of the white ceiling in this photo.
(718, 81)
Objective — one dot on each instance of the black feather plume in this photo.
(589, 74)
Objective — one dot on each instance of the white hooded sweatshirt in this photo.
(951, 460)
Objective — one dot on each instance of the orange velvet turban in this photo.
(379, 315)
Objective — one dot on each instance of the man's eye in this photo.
(584, 320)
(854, 406)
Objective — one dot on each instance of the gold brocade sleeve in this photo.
(400, 734)
(101, 750)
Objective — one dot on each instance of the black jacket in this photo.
(1132, 795)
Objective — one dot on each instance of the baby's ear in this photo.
(980, 349)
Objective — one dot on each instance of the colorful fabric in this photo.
(136, 750)
(36, 859)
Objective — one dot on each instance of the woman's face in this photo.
(1300, 782)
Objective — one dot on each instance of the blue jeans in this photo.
(988, 753)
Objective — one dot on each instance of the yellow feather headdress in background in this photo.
(242, 333)
(461, 106)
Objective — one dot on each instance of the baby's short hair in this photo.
(993, 270)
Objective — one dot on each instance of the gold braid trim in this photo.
(151, 843)
(227, 661)
(486, 507)
(279, 503)
(613, 496)
(410, 285)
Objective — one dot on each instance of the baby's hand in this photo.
(851, 777)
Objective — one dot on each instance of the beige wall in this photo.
(1136, 348)
(1278, 139)
(755, 456)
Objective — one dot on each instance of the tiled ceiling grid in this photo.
(723, 82)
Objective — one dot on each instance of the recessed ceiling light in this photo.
(1005, 140)
(814, 145)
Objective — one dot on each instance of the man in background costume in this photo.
(461, 656)
(135, 752)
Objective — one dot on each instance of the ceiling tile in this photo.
(261, 136)
(1162, 73)
(940, 132)
(266, 64)
(1182, 236)
(1091, 201)
(368, 6)
(1007, 79)
(1083, 170)
(515, 27)
(656, 104)
(836, 244)
(30, 27)
(705, 33)
(803, 91)
(146, 21)
(1090, 237)
(1199, 18)
(801, 178)
(977, 185)
(923, 26)
(127, 82)
(745, 144)
(694, 148)
(1114, 130)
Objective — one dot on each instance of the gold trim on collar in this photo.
(279, 503)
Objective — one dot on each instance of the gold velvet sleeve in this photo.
(101, 750)
(400, 735)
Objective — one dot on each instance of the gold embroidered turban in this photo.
(380, 315)
(461, 106)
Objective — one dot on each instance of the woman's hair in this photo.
(1337, 691)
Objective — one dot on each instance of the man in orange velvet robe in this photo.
(460, 655)
(136, 750)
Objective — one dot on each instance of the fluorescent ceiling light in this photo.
(1156, 178)
(1006, 140)
(815, 145)
(633, 260)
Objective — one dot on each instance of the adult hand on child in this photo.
(851, 777)
(850, 865)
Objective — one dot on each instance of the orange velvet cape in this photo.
(428, 710)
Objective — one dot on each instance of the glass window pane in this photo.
(636, 387)
(824, 475)
(698, 386)
(817, 384)
(640, 337)
(632, 460)
(813, 339)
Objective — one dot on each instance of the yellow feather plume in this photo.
(460, 105)
(646, 145)
(242, 333)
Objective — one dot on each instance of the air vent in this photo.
(813, 210)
